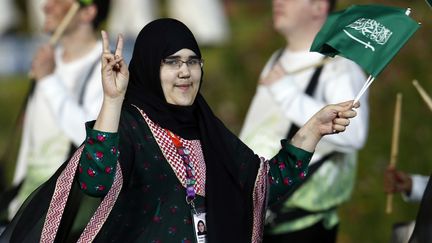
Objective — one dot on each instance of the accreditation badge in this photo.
(200, 225)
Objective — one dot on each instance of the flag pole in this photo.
(394, 146)
(64, 23)
(426, 98)
(364, 88)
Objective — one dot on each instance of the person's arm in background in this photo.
(411, 187)
(69, 114)
(340, 80)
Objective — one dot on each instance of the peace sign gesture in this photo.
(115, 73)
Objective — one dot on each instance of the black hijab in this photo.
(156, 41)
(231, 166)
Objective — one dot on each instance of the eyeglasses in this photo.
(176, 63)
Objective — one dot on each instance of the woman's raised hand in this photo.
(115, 78)
(115, 73)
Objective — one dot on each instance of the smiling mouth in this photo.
(183, 86)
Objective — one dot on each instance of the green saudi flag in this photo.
(370, 35)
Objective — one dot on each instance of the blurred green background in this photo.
(231, 73)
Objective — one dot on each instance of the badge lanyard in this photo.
(190, 173)
(198, 215)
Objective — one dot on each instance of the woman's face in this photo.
(181, 80)
(201, 227)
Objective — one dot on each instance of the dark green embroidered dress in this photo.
(151, 206)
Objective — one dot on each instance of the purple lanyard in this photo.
(190, 173)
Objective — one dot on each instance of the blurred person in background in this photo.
(294, 84)
(66, 93)
(411, 186)
(422, 230)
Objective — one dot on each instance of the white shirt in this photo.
(419, 183)
(54, 118)
(276, 106)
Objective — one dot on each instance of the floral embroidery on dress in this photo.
(101, 137)
(91, 172)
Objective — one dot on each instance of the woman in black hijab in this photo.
(161, 161)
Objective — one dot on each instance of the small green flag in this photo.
(370, 35)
